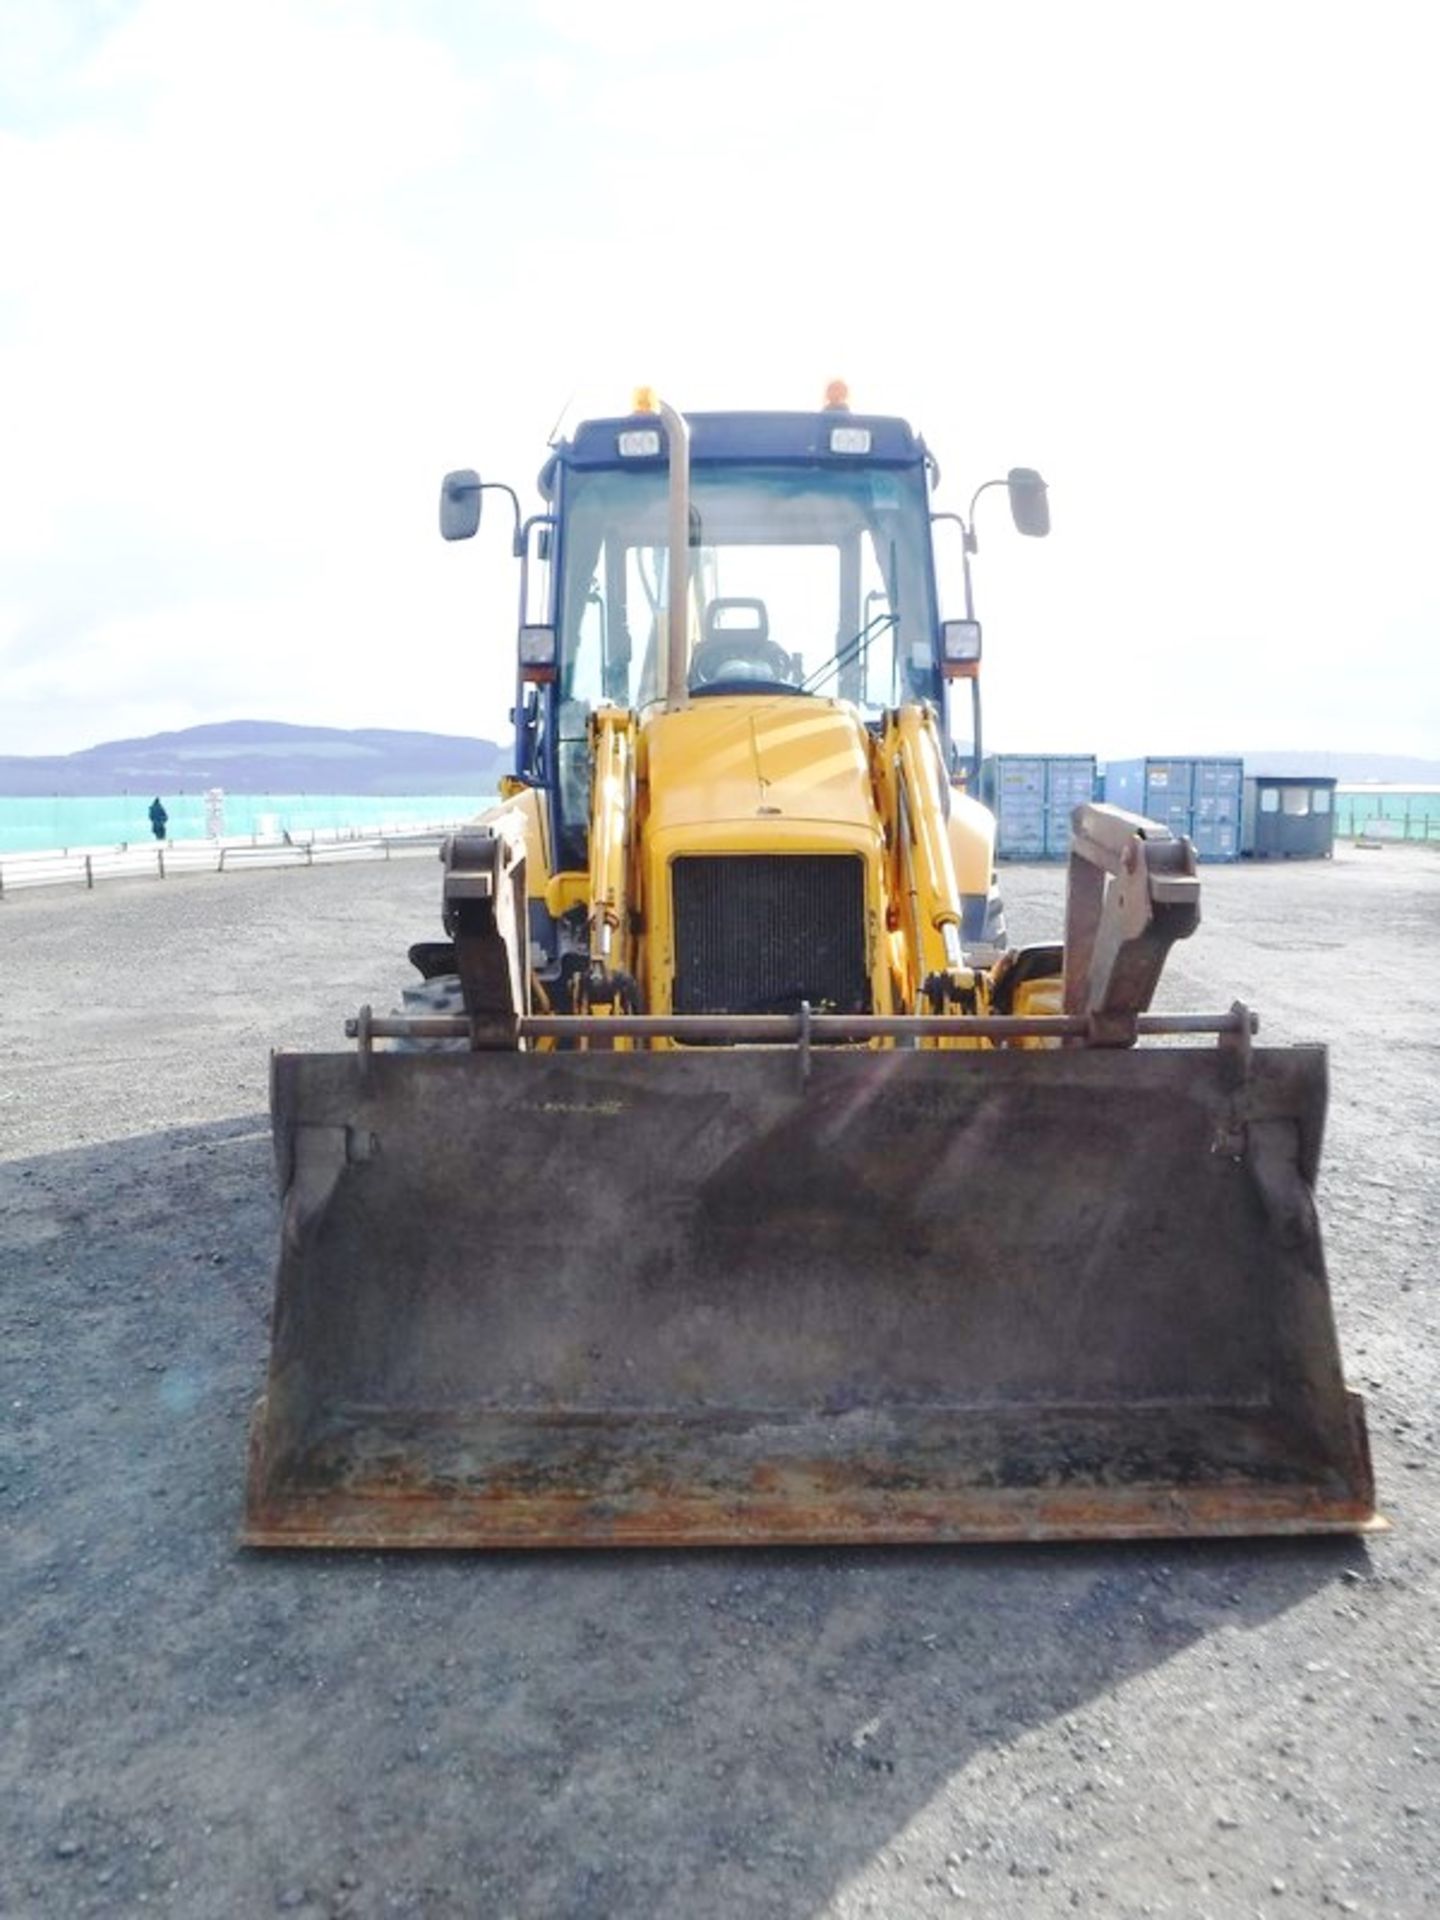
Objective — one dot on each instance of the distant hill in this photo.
(267, 756)
(264, 756)
(1350, 768)
(1347, 768)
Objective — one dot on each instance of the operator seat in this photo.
(736, 653)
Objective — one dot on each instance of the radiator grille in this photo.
(761, 933)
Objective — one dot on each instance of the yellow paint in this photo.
(972, 843)
(528, 811)
(564, 891)
(720, 761)
(1039, 997)
(771, 774)
(754, 774)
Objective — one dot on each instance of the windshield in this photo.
(807, 579)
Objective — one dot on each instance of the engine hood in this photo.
(758, 759)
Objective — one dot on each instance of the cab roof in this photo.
(718, 439)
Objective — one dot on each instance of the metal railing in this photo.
(1389, 826)
(164, 860)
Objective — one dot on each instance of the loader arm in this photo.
(610, 981)
(912, 793)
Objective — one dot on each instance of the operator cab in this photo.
(810, 574)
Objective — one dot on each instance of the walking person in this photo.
(159, 818)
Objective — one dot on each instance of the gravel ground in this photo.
(1208, 1729)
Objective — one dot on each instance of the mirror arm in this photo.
(499, 486)
(967, 545)
(971, 545)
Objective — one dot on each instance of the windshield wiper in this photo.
(849, 651)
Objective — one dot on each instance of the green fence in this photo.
(1388, 813)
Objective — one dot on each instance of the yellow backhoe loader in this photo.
(727, 1177)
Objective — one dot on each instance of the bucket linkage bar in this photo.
(1132, 891)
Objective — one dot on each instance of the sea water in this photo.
(52, 821)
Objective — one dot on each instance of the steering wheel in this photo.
(740, 656)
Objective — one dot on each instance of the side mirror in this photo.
(1029, 502)
(460, 505)
(960, 649)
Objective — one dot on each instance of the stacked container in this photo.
(1198, 798)
(1032, 797)
(1012, 785)
(1070, 783)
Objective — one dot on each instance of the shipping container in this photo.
(1032, 797)
(1288, 817)
(1199, 798)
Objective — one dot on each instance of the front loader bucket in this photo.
(721, 1295)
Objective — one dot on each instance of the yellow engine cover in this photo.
(755, 775)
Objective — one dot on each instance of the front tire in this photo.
(424, 1000)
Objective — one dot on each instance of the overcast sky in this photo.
(267, 270)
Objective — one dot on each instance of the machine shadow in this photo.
(560, 1734)
(724, 1732)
